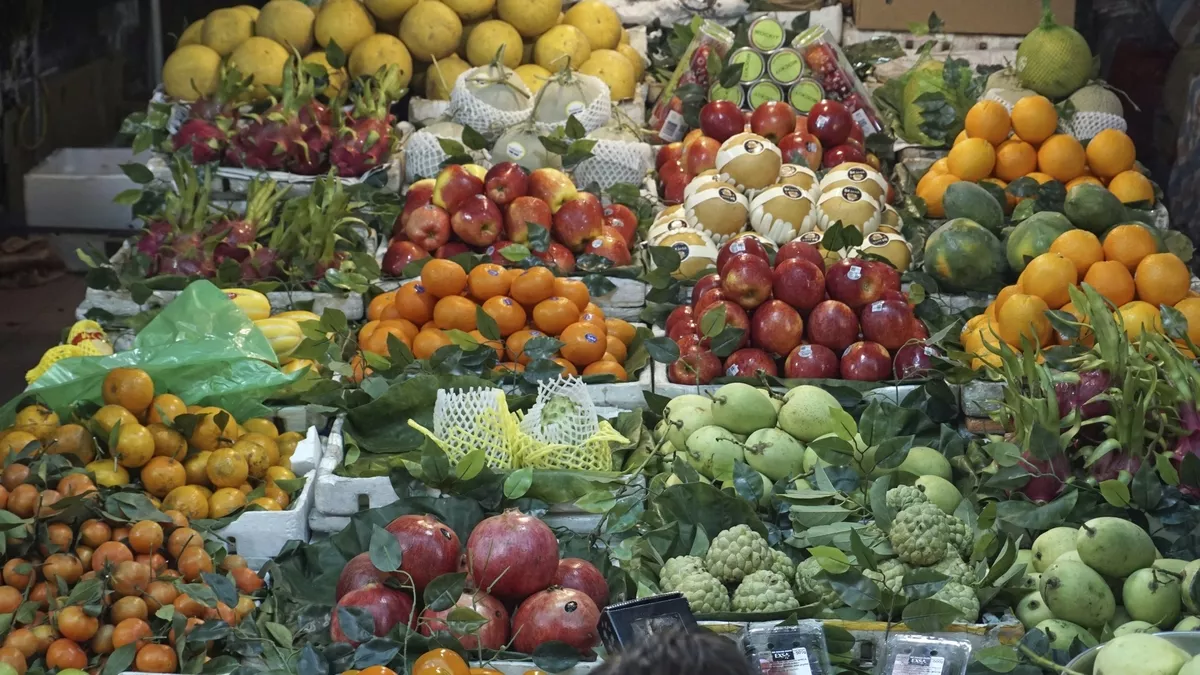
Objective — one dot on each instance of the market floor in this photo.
(33, 321)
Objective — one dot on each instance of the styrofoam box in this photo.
(259, 536)
(506, 667)
(981, 399)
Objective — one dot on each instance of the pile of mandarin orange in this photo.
(524, 303)
(440, 661)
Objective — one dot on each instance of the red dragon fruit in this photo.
(274, 140)
(210, 120)
(234, 236)
(1110, 466)
(1047, 478)
(366, 139)
(174, 238)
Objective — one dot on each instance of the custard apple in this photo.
(782, 565)
(704, 592)
(676, 568)
(812, 589)
(960, 537)
(890, 575)
(920, 534)
(904, 496)
(962, 598)
(764, 591)
(736, 553)
(955, 569)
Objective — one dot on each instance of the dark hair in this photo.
(680, 653)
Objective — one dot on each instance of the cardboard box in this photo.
(988, 17)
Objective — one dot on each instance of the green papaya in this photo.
(1033, 236)
(1093, 208)
(969, 200)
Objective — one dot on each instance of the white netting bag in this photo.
(1085, 125)
(465, 420)
(570, 93)
(563, 414)
(617, 157)
(489, 99)
(1006, 97)
(424, 154)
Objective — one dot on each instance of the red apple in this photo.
(918, 330)
(674, 179)
(773, 120)
(680, 313)
(522, 212)
(398, 255)
(801, 148)
(740, 244)
(750, 362)
(701, 155)
(914, 360)
(553, 187)
(478, 221)
(704, 284)
(610, 244)
(671, 152)
(830, 122)
(832, 324)
(495, 252)
(686, 342)
(735, 317)
(890, 278)
(682, 328)
(709, 298)
(624, 219)
(721, 119)
(799, 283)
(801, 123)
(578, 221)
(856, 134)
(428, 227)
(866, 361)
(557, 257)
(505, 182)
(840, 154)
(747, 280)
(888, 322)
(776, 328)
(419, 194)
(453, 186)
(802, 250)
(857, 282)
(811, 362)
(451, 249)
(691, 136)
(696, 366)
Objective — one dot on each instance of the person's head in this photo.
(680, 653)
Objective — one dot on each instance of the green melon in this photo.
(1033, 236)
(970, 201)
(1054, 60)
(963, 255)
(1093, 208)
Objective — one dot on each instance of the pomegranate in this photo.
(359, 572)
(492, 635)
(512, 555)
(582, 576)
(430, 549)
(562, 614)
(387, 606)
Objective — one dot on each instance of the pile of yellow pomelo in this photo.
(431, 42)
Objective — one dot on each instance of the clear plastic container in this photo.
(787, 650)
(920, 655)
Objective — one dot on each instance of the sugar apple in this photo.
(764, 591)
(960, 537)
(736, 553)
(962, 598)
(904, 496)
(676, 568)
(782, 565)
(954, 568)
(920, 534)
(704, 592)
(890, 575)
(810, 588)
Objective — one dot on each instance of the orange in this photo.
(163, 474)
(1162, 279)
(1128, 244)
(593, 312)
(1015, 158)
(377, 340)
(620, 329)
(1041, 178)
(189, 500)
(455, 312)
(108, 416)
(167, 441)
(487, 281)
(1190, 308)
(135, 446)
(131, 631)
(1086, 337)
(988, 120)
(1048, 276)
(606, 368)
(512, 273)
(1138, 317)
(574, 290)
(938, 168)
(515, 345)
(443, 278)
(614, 346)
(1001, 297)
(553, 315)
(933, 190)
(567, 367)
(1011, 200)
(10, 599)
(973, 159)
(64, 653)
(509, 316)
(1132, 187)
(1034, 119)
(1080, 247)
(379, 303)
(532, 286)
(496, 345)
(225, 501)
(358, 368)
(183, 538)
(1062, 158)
(1110, 152)
(146, 536)
(130, 388)
(1084, 180)
(414, 303)
(508, 367)
(429, 341)
(73, 622)
(1024, 316)
(583, 344)
(409, 329)
(193, 562)
(156, 659)
(165, 407)
(962, 136)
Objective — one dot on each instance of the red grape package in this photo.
(832, 70)
(667, 116)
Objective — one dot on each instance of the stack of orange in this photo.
(524, 303)
(999, 148)
(1126, 269)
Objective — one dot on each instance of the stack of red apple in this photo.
(825, 138)
(850, 321)
(469, 209)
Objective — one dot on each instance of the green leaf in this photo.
(929, 615)
(138, 173)
(465, 621)
(473, 139)
(356, 623)
(452, 147)
(444, 591)
(515, 252)
(597, 501)
(662, 349)
(120, 660)
(126, 198)
(384, 550)
(471, 465)
(335, 55)
(555, 657)
(279, 633)
(712, 322)
(575, 129)
(222, 588)
(726, 342)
(517, 483)
(1116, 493)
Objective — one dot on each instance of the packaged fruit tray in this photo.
(871, 636)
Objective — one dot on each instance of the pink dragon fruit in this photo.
(366, 139)
(174, 239)
(1110, 466)
(274, 140)
(235, 236)
(210, 120)
(1048, 476)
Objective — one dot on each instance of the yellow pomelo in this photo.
(489, 38)
(431, 30)
(192, 34)
(471, 10)
(531, 18)
(263, 59)
(250, 11)
(534, 76)
(288, 22)
(639, 64)
(598, 21)
(225, 29)
(346, 22)
(441, 76)
(379, 51)
(191, 71)
(390, 10)
(561, 46)
(337, 76)
(614, 69)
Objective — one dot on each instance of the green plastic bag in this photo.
(201, 347)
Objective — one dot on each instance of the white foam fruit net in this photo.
(1085, 125)
(615, 161)
(423, 156)
(470, 110)
(563, 413)
(465, 420)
